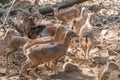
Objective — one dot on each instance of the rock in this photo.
(111, 52)
(103, 32)
(105, 76)
(100, 60)
(113, 66)
(117, 60)
(117, 49)
(44, 77)
(118, 46)
(70, 67)
(107, 70)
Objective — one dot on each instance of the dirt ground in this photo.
(107, 34)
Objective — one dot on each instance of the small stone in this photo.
(70, 67)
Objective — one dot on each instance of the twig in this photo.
(7, 15)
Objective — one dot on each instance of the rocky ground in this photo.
(105, 52)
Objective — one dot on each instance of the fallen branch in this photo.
(63, 4)
(7, 15)
(4, 1)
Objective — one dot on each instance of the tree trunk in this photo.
(4, 1)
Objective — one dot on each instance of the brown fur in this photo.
(5, 42)
(15, 43)
(77, 23)
(48, 31)
(58, 37)
(67, 15)
(30, 21)
(38, 53)
(18, 41)
(2, 47)
(80, 21)
(86, 38)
